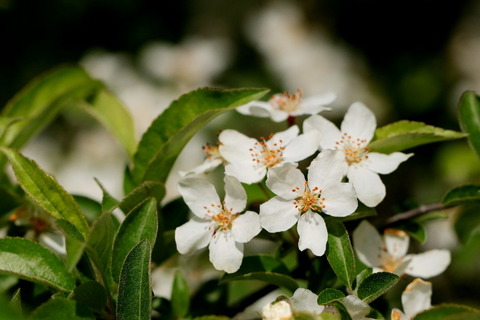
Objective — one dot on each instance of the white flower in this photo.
(249, 159)
(415, 298)
(357, 130)
(303, 300)
(356, 307)
(389, 253)
(298, 200)
(213, 159)
(216, 224)
(284, 105)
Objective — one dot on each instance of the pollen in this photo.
(221, 216)
(286, 101)
(355, 149)
(310, 200)
(267, 154)
(211, 152)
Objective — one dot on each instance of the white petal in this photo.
(193, 235)
(416, 297)
(302, 147)
(235, 195)
(234, 146)
(384, 163)
(246, 173)
(356, 307)
(199, 193)
(255, 108)
(340, 200)
(313, 233)
(306, 300)
(428, 264)
(396, 242)
(359, 122)
(278, 215)
(329, 133)
(225, 253)
(398, 315)
(315, 104)
(286, 181)
(207, 166)
(368, 185)
(283, 137)
(278, 115)
(246, 226)
(367, 243)
(327, 168)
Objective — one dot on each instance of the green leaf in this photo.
(90, 208)
(61, 309)
(362, 276)
(211, 317)
(328, 295)
(45, 190)
(91, 294)
(135, 290)
(264, 268)
(100, 244)
(469, 118)
(16, 301)
(29, 260)
(180, 295)
(340, 252)
(375, 285)
(414, 230)
(110, 112)
(109, 203)
(447, 311)
(342, 311)
(7, 311)
(171, 130)
(138, 225)
(405, 134)
(38, 103)
(145, 190)
(467, 223)
(462, 195)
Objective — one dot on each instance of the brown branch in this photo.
(416, 212)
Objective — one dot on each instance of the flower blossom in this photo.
(249, 159)
(389, 253)
(300, 201)
(284, 105)
(213, 159)
(415, 298)
(357, 130)
(216, 224)
(303, 300)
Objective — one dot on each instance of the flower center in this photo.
(285, 101)
(310, 200)
(223, 218)
(267, 155)
(211, 152)
(354, 149)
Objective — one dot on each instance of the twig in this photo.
(416, 212)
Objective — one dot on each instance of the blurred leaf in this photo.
(108, 201)
(375, 285)
(467, 223)
(343, 312)
(91, 209)
(405, 134)
(171, 130)
(61, 309)
(211, 318)
(462, 195)
(448, 311)
(45, 190)
(135, 290)
(264, 268)
(10, 200)
(16, 301)
(138, 225)
(100, 244)
(174, 214)
(180, 296)
(362, 212)
(328, 295)
(92, 294)
(143, 191)
(165, 246)
(414, 230)
(7, 311)
(469, 118)
(6, 282)
(29, 260)
(362, 276)
(110, 112)
(340, 252)
(69, 229)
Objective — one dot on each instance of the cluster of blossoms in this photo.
(343, 171)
